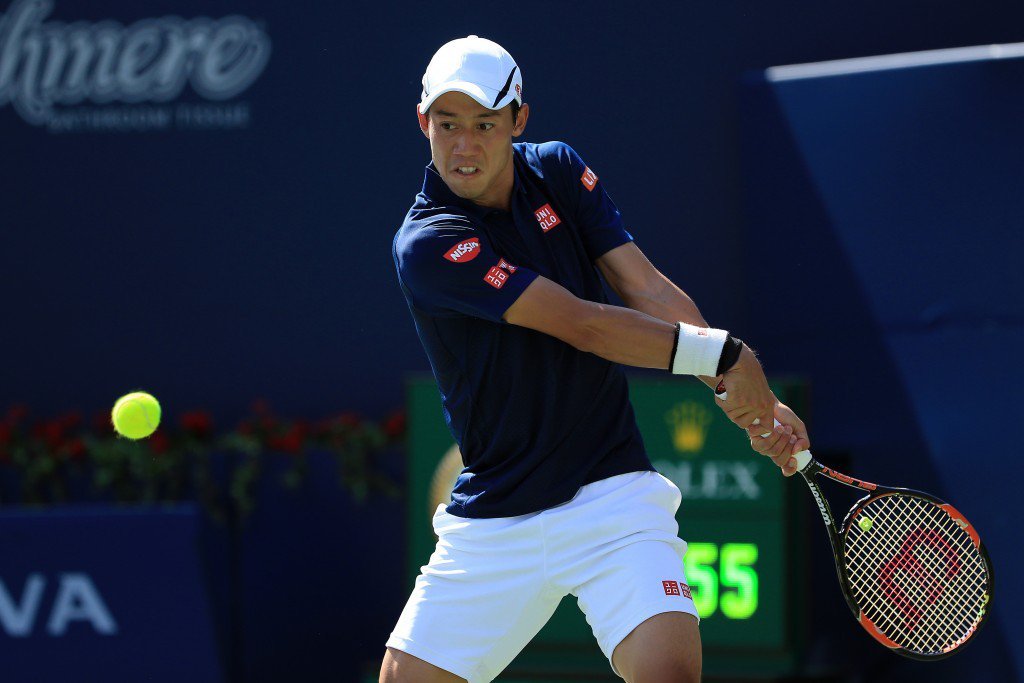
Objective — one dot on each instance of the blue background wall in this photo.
(212, 266)
(896, 191)
(215, 266)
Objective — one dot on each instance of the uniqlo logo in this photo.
(685, 590)
(496, 277)
(589, 179)
(671, 587)
(547, 217)
(502, 263)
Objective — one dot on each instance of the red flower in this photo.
(70, 420)
(16, 414)
(291, 441)
(75, 449)
(197, 423)
(349, 420)
(159, 443)
(101, 424)
(394, 426)
(53, 433)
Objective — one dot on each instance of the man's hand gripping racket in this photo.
(913, 570)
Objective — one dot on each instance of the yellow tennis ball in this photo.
(136, 415)
(865, 523)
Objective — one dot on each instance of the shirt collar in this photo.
(438, 191)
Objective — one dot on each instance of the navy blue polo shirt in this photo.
(534, 417)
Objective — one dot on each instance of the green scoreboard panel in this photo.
(737, 516)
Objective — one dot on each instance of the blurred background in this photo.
(198, 200)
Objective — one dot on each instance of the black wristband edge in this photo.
(675, 347)
(730, 354)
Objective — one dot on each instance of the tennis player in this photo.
(500, 259)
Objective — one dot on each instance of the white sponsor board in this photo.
(108, 76)
(76, 599)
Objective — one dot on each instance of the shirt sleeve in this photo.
(600, 223)
(450, 269)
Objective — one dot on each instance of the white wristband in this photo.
(698, 350)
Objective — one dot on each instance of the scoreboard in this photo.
(738, 517)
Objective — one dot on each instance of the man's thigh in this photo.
(481, 598)
(401, 667)
(663, 649)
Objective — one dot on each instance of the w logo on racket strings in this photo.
(928, 586)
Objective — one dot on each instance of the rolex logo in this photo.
(688, 422)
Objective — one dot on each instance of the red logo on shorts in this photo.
(547, 217)
(589, 179)
(676, 588)
(464, 251)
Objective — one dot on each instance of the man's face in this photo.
(471, 146)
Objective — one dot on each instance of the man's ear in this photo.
(424, 123)
(524, 113)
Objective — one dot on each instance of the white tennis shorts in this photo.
(491, 584)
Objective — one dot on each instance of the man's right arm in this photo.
(621, 335)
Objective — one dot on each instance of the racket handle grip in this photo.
(803, 458)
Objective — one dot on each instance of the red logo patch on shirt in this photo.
(502, 263)
(685, 590)
(466, 250)
(671, 587)
(589, 179)
(496, 277)
(547, 217)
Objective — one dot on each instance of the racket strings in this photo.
(913, 578)
(924, 571)
(915, 573)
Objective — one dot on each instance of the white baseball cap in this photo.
(477, 67)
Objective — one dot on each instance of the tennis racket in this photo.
(912, 569)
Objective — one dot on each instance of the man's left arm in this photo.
(644, 288)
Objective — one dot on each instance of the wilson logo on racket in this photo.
(905, 578)
(464, 251)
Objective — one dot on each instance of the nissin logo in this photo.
(76, 600)
(47, 68)
(464, 251)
